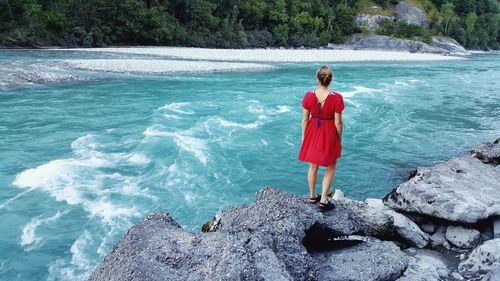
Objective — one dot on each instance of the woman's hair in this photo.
(324, 75)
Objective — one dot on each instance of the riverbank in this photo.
(442, 224)
(271, 55)
(172, 60)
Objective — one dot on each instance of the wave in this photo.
(360, 90)
(228, 124)
(28, 236)
(80, 266)
(82, 179)
(196, 146)
(177, 108)
(257, 108)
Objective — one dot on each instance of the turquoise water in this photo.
(82, 160)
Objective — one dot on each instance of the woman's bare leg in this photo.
(311, 178)
(327, 181)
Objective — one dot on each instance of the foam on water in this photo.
(78, 268)
(177, 107)
(225, 123)
(185, 142)
(79, 180)
(360, 90)
(28, 236)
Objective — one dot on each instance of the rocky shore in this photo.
(442, 224)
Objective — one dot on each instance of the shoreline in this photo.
(269, 55)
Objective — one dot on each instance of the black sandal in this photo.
(326, 207)
(315, 200)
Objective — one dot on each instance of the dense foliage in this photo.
(227, 23)
(473, 23)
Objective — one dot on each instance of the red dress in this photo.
(321, 143)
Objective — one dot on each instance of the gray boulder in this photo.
(411, 14)
(409, 230)
(449, 44)
(385, 223)
(428, 227)
(493, 275)
(382, 42)
(438, 238)
(488, 153)
(288, 214)
(482, 261)
(425, 265)
(371, 260)
(380, 224)
(157, 248)
(464, 238)
(274, 238)
(496, 227)
(463, 189)
(376, 211)
(371, 22)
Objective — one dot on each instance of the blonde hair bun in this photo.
(324, 75)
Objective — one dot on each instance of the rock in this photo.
(411, 14)
(447, 245)
(428, 227)
(273, 238)
(338, 195)
(457, 276)
(488, 152)
(464, 238)
(158, 247)
(425, 265)
(409, 230)
(493, 275)
(449, 44)
(382, 42)
(488, 232)
(376, 211)
(438, 238)
(481, 261)
(371, 22)
(371, 260)
(380, 224)
(280, 211)
(462, 190)
(212, 225)
(496, 227)
(330, 46)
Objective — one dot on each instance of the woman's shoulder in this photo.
(309, 94)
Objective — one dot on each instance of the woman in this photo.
(321, 134)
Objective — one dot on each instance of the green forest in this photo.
(231, 23)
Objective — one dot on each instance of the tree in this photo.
(449, 17)
(470, 23)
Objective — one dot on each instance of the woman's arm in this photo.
(305, 120)
(338, 125)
